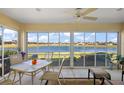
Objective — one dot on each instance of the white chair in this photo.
(49, 57)
(52, 76)
(5, 80)
(15, 59)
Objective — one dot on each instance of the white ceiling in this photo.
(62, 15)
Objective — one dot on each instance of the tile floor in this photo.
(76, 72)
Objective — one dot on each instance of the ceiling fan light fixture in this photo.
(90, 18)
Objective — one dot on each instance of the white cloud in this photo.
(67, 34)
(80, 38)
(31, 39)
(52, 34)
(43, 38)
(77, 34)
(90, 36)
(114, 40)
(8, 31)
(10, 35)
(66, 40)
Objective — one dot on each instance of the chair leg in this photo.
(52, 68)
(88, 73)
(41, 82)
(14, 77)
(59, 82)
(63, 77)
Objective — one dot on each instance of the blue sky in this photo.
(78, 37)
(10, 35)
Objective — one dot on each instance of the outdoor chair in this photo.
(107, 81)
(53, 76)
(98, 73)
(49, 57)
(5, 79)
(15, 59)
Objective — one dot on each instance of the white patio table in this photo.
(27, 67)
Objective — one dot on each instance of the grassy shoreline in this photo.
(66, 54)
(35, 45)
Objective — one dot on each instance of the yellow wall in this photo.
(72, 27)
(6, 21)
(22, 28)
(122, 41)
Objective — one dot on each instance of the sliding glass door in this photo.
(8, 46)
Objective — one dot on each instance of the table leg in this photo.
(88, 73)
(94, 78)
(102, 80)
(32, 78)
(46, 82)
(122, 76)
(20, 78)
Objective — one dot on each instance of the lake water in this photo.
(67, 49)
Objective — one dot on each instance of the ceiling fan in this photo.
(84, 13)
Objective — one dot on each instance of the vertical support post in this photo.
(95, 52)
(71, 49)
(2, 52)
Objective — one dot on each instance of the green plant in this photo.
(109, 57)
(9, 52)
(118, 58)
(121, 61)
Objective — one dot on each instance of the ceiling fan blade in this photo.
(90, 18)
(87, 11)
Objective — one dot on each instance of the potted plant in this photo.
(34, 59)
(23, 55)
(109, 58)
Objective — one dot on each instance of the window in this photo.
(65, 47)
(8, 46)
(112, 43)
(42, 47)
(100, 48)
(10, 38)
(89, 48)
(54, 48)
(32, 44)
(81, 48)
